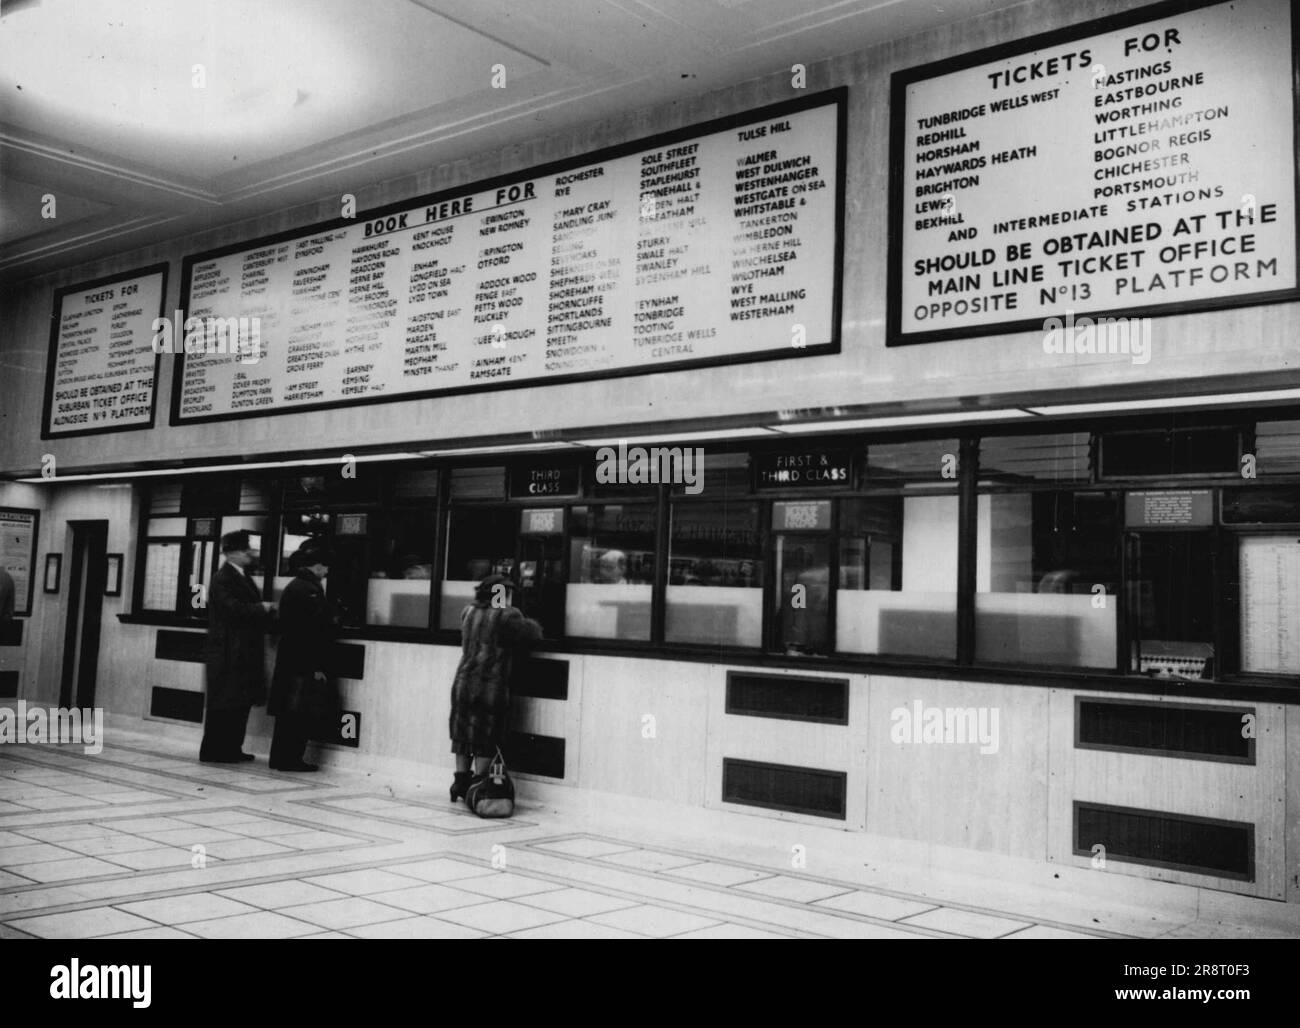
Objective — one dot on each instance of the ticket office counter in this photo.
(771, 632)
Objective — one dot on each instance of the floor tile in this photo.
(441, 869)
(12, 881)
(577, 902)
(362, 883)
(586, 847)
(152, 860)
(348, 912)
(429, 899)
(1041, 931)
(265, 924)
(501, 917)
(313, 840)
(504, 885)
(32, 853)
(730, 931)
(64, 870)
(718, 874)
(158, 932)
(872, 904)
(81, 924)
(61, 833)
(265, 828)
(801, 890)
(327, 935)
(105, 846)
(272, 895)
(140, 825)
(191, 835)
(657, 922)
(649, 860)
(575, 930)
(964, 922)
(199, 906)
(416, 928)
(215, 818)
(242, 849)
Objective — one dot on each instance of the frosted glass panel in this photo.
(610, 611)
(720, 615)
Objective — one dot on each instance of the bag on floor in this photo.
(493, 795)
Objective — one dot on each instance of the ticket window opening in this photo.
(1171, 586)
(540, 572)
(801, 614)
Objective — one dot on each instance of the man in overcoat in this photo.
(235, 655)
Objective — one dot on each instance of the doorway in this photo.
(85, 608)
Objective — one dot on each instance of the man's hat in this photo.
(235, 541)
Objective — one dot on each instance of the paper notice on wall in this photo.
(162, 566)
(1270, 604)
(17, 551)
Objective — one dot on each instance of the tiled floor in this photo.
(142, 841)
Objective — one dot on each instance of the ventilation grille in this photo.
(541, 677)
(825, 700)
(177, 704)
(534, 754)
(1225, 849)
(1202, 733)
(185, 646)
(800, 790)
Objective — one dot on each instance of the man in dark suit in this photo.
(235, 656)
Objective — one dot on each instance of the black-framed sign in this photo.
(19, 530)
(712, 244)
(101, 374)
(1169, 508)
(557, 478)
(809, 468)
(53, 571)
(1139, 165)
(113, 574)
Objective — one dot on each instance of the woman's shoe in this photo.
(459, 785)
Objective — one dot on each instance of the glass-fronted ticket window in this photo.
(714, 592)
(897, 580)
(611, 571)
(1047, 565)
(481, 541)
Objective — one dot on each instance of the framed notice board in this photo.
(102, 371)
(19, 529)
(1135, 166)
(713, 244)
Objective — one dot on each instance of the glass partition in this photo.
(715, 574)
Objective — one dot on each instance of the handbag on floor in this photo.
(493, 795)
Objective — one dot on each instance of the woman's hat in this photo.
(309, 553)
(487, 587)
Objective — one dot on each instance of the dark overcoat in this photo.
(235, 652)
(480, 694)
(308, 627)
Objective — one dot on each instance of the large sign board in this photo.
(1140, 165)
(18, 533)
(713, 244)
(102, 370)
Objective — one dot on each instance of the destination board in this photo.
(102, 370)
(714, 244)
(1143, 164)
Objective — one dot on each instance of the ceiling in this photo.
(148, 120)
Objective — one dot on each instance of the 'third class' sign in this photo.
(713, 244)
(1143, 164)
